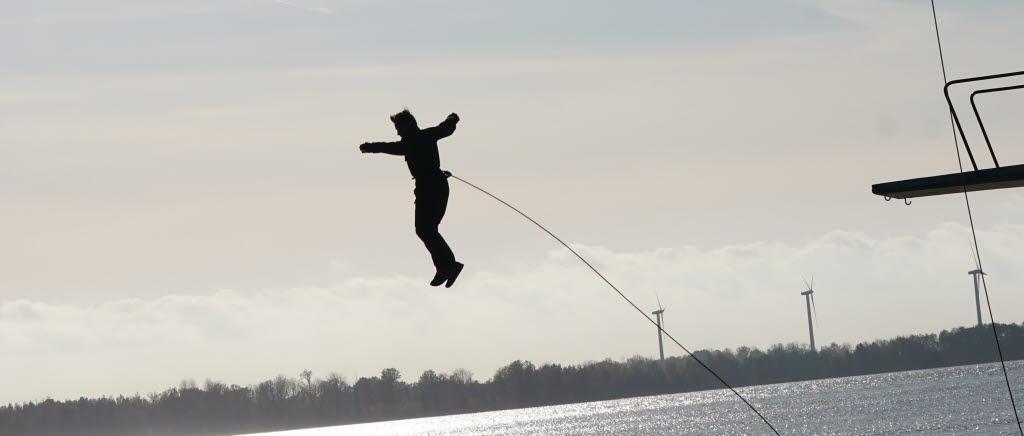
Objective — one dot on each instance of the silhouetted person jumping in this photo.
(420, 150)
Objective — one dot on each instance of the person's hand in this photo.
(454, 117)
(365, 147)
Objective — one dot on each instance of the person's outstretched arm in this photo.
(443, 130)
(395, 148)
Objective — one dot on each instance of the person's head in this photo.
(405, 123)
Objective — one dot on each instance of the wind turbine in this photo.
(809, 296)
(977, 298)
(661, 349)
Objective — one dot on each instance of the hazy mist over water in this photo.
(964, 400)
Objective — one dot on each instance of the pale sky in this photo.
(184, 197)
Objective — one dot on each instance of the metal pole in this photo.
(810, 325)
(661, 349)
(977, 297)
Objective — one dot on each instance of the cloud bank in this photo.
(554, 311)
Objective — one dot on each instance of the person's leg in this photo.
(447, 256)
(430, 208)
(455, 267)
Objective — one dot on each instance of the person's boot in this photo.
(439, 278)
(453, 274)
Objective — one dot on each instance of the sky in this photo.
(184, 197)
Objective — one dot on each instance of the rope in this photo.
(624, 297)
(974, 235)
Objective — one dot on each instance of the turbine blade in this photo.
(815, 308)
(812, 282)
(659, 300)
(805, 281)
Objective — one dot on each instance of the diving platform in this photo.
(980, 180)
(977, 180)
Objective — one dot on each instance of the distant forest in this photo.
(288, 403)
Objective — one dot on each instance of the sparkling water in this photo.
(963, 400)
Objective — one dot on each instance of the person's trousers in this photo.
(431, 204)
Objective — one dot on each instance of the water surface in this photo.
(963, 400)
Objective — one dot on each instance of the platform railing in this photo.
(956, 118)
(978, 116)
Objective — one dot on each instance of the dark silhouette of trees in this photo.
(306, 401)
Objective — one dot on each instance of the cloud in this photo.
(556, 311)
(316, 9)
(234, 35)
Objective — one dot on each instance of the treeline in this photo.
(286, 403)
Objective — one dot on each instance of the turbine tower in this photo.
(809, 296)
(661, 349)
(977, 298)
